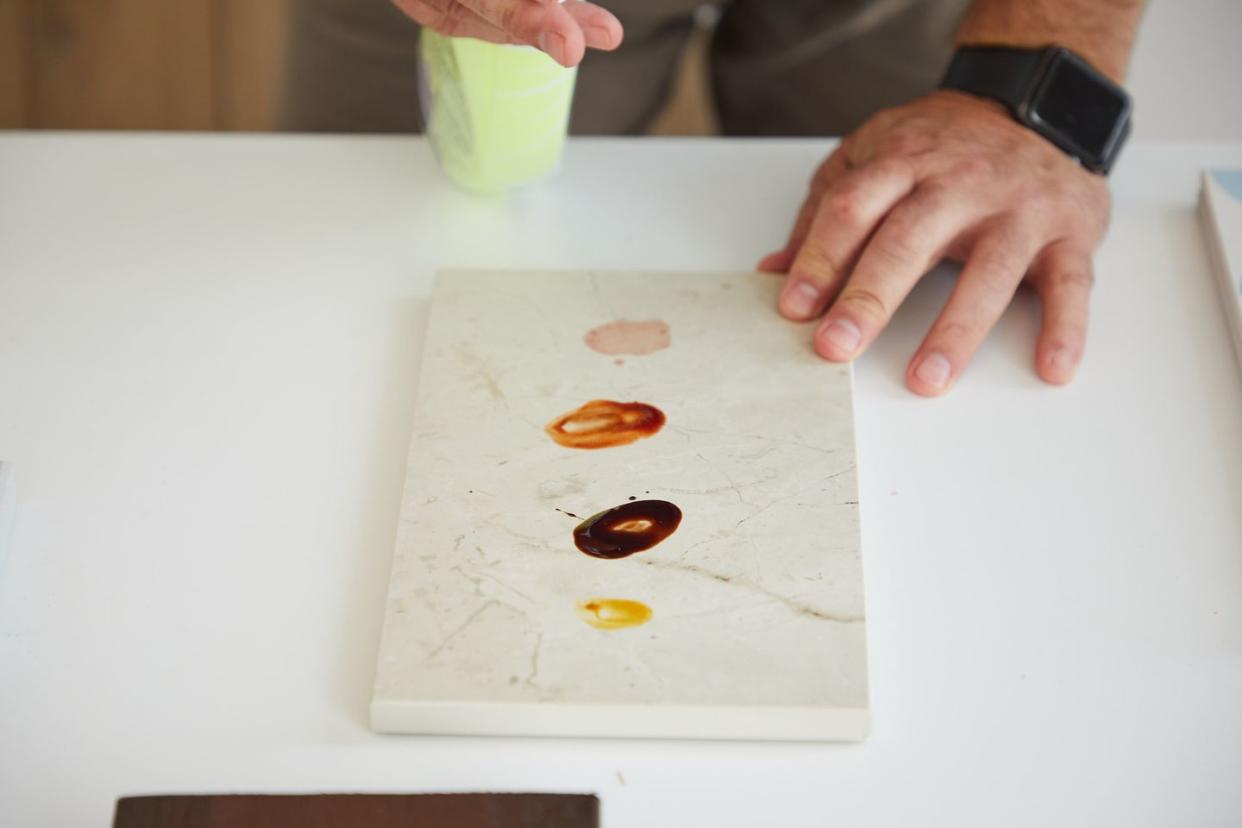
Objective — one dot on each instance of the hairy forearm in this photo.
(1102, 31)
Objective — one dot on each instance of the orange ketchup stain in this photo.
(605, 424)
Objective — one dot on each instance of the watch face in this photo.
(1081, 107)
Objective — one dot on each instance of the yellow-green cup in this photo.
(496, 114)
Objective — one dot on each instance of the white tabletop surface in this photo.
(208, 357)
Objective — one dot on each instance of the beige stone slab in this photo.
(757, 626)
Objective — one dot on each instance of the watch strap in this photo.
(1020, 79)
(1001, 74)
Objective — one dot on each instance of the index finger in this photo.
(844, 217)
(907, 244)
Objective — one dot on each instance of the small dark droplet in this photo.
(633, 498)
(570, 514)
(623, 530)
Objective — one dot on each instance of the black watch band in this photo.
(1004, 75)
(1053, 92)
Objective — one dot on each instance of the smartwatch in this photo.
(1053, 92)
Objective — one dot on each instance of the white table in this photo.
(208, 355)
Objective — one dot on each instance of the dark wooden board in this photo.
(360, 811)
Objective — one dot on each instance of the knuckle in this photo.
(893, 167)
(905, 245)
(849, 149)
(845, 206)
(509, 17)
(896, 250)
(998, 267)
(445, 19)
(866, 303)
(932, 196)
(883, 118)
(905, 144)
(954, 331)
(814, 264)
(998, 277)
(824, 172)
(453, 25)
(975, 168)
(994, 259)
(1074, 278)
(906, 238)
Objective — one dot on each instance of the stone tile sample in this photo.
(745, 621)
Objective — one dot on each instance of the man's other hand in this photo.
(947, 176)
(563, 30)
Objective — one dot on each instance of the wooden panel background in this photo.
(191, 65)
(248, 59)
(12, 76)
(140, 64)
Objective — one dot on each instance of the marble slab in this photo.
(751, 623)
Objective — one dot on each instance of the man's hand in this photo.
(563, 30)
(948, 175)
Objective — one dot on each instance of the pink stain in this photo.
(626, 337)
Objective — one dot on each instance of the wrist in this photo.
(1102, 32)
(963, 101)
(1053, 92)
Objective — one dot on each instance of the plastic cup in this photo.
(496, 114)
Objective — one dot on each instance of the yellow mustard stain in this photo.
(613, 613)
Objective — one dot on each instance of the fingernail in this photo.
(934, 370)
(800, 300)
(597, 37)
(843, 335)
(1061, 362)
(554, 45)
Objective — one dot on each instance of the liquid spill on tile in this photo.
(605, 424)
(623, 530)
(613, 613)
(626, 337)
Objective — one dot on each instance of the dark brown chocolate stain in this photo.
(605, 424)
(569, 514)
(623, 530)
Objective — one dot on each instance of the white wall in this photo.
(1186, 74)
